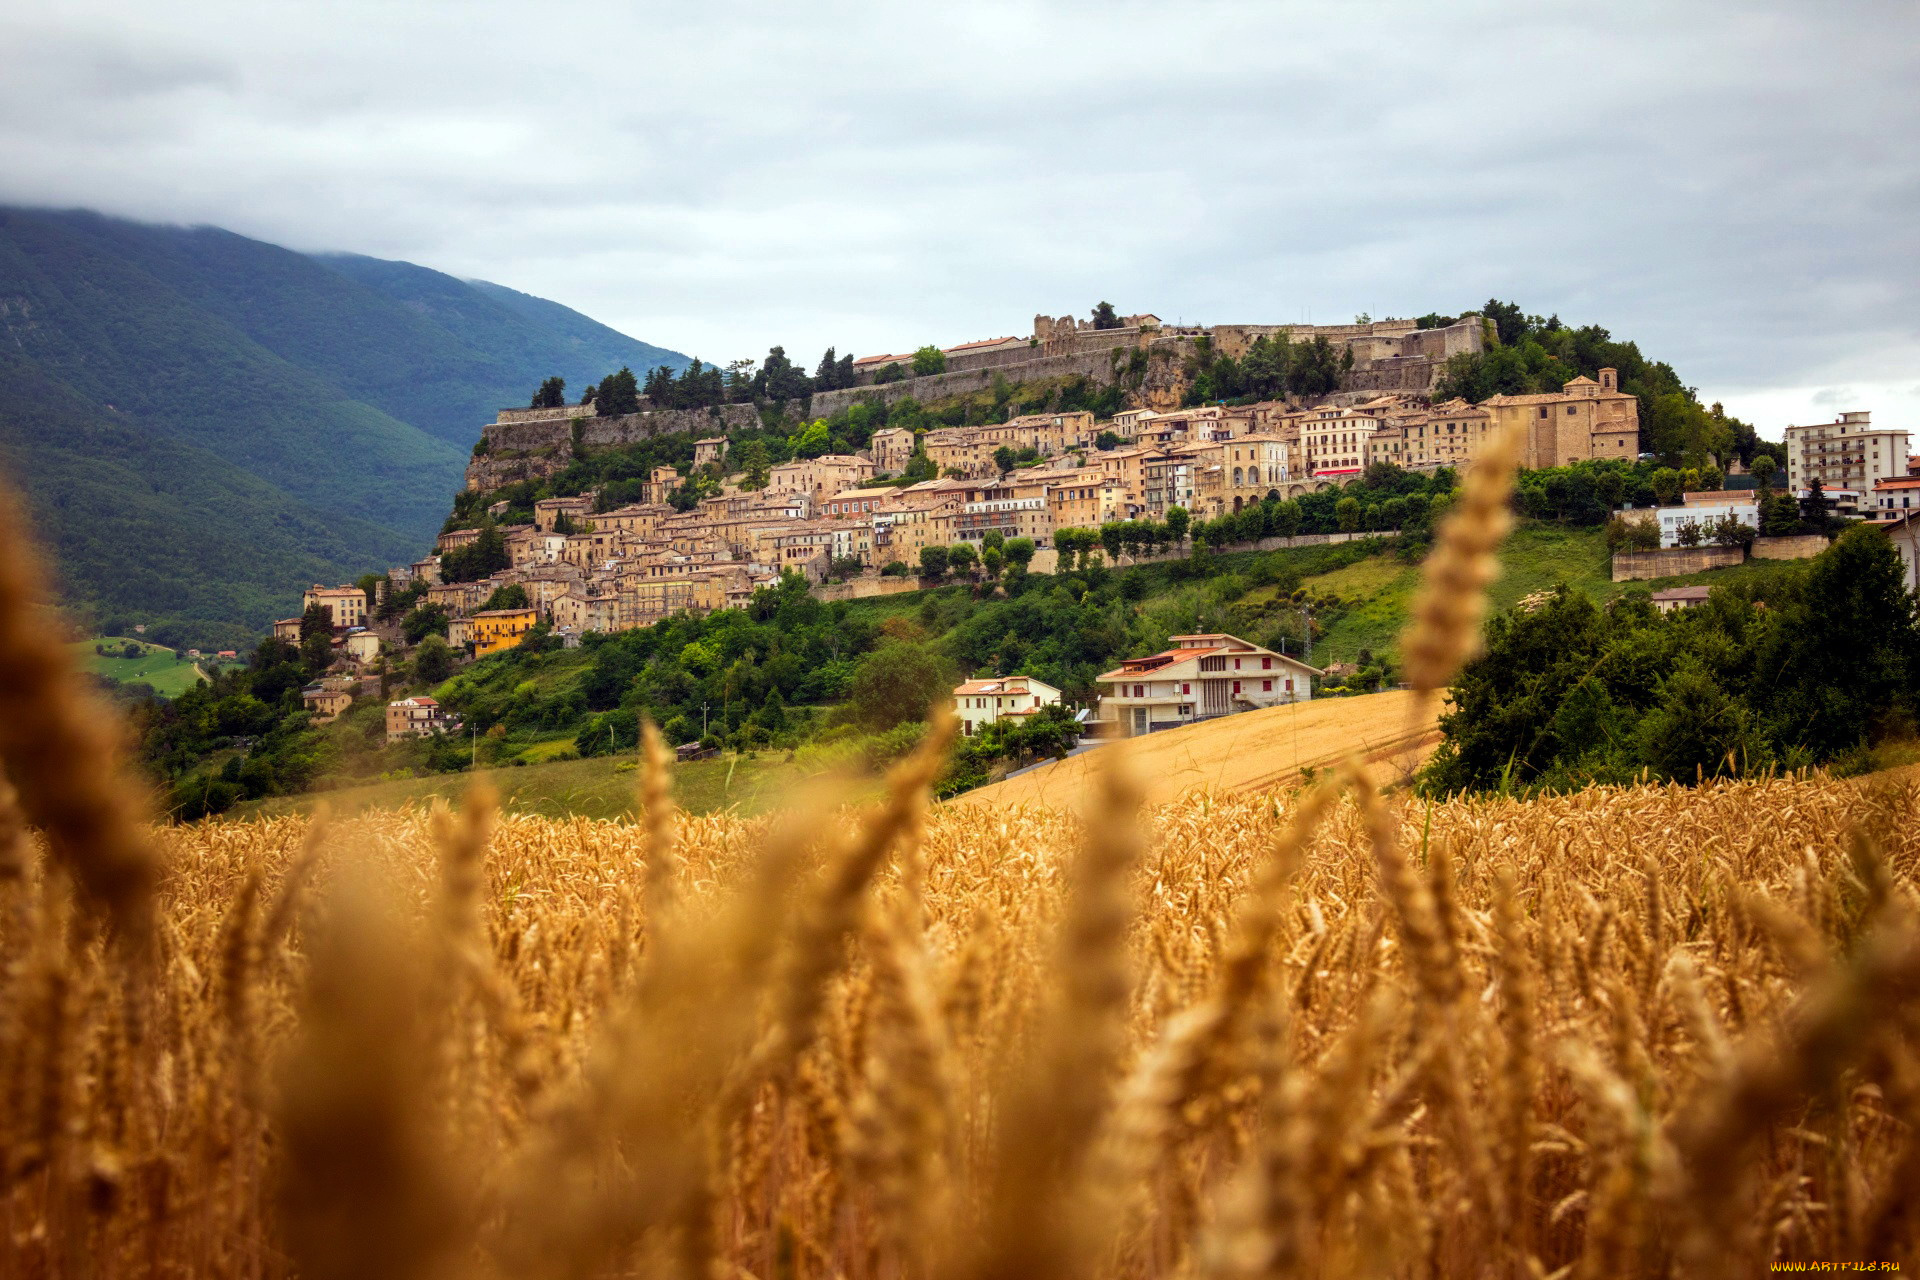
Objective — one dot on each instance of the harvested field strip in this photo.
(1248, 752)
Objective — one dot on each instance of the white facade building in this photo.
(1705, 510)
(979, 703)
(1848, 454)
(1200, 677)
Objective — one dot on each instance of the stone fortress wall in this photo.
(1388, 355)
(532, 444)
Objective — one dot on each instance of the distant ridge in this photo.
(202, 421)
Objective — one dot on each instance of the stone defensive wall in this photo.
(524, 430)
(532, 444)
(1097, 364)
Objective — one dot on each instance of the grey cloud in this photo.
(1731, 184)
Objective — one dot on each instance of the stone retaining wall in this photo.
(1638, 566)
(1803, 546)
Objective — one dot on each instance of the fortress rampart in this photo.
(1097, 365)
(532, 444)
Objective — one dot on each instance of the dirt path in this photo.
(1248, 752)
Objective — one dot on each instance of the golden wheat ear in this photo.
(1445, 626)
(61, 746)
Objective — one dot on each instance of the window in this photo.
(1266, 664)
(1236, 664)
(1236, 686)
(1543, 411)
(1266, 686)
(1289, 686)
(1186, 688)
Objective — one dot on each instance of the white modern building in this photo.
(1199, 678)
(1705, 509)
(979, 703)
(1848, 454)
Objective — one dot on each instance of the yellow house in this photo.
(498, 629)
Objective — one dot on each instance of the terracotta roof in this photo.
(1165, 658)
(998, 684)
(1683, 593)
(981, 342)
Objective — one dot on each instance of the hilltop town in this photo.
(904, 503)
(716, 550)
(585, 564)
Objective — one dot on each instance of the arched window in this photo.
(1236, 476)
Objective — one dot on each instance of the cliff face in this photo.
(523, 446)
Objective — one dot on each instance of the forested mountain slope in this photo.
(204, 422)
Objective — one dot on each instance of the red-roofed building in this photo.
(980, 703)
(1894, 497)
(1199, 678)
(417, 717)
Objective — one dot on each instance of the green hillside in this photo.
(169, 671)
(204, 423)
(148, 529)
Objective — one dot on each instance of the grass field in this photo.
(1535, 558)
(169, 672)
(599, 787)
(1253, 751)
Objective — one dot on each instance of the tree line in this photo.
(1790, 667)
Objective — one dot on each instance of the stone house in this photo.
(956, 451)
(547, 511)
(1334, 441)
(417, 717)
(346, 606)
(891, 449)
(857, 503)
(325, 703)
(1253, 466)
(1587, 419)
(362, 646)
(710, 451)
(1085, 498)
(818, 477)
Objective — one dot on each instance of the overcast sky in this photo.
(1736, 186)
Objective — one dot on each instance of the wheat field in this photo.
(1649, 1032)
(1323, 1031)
